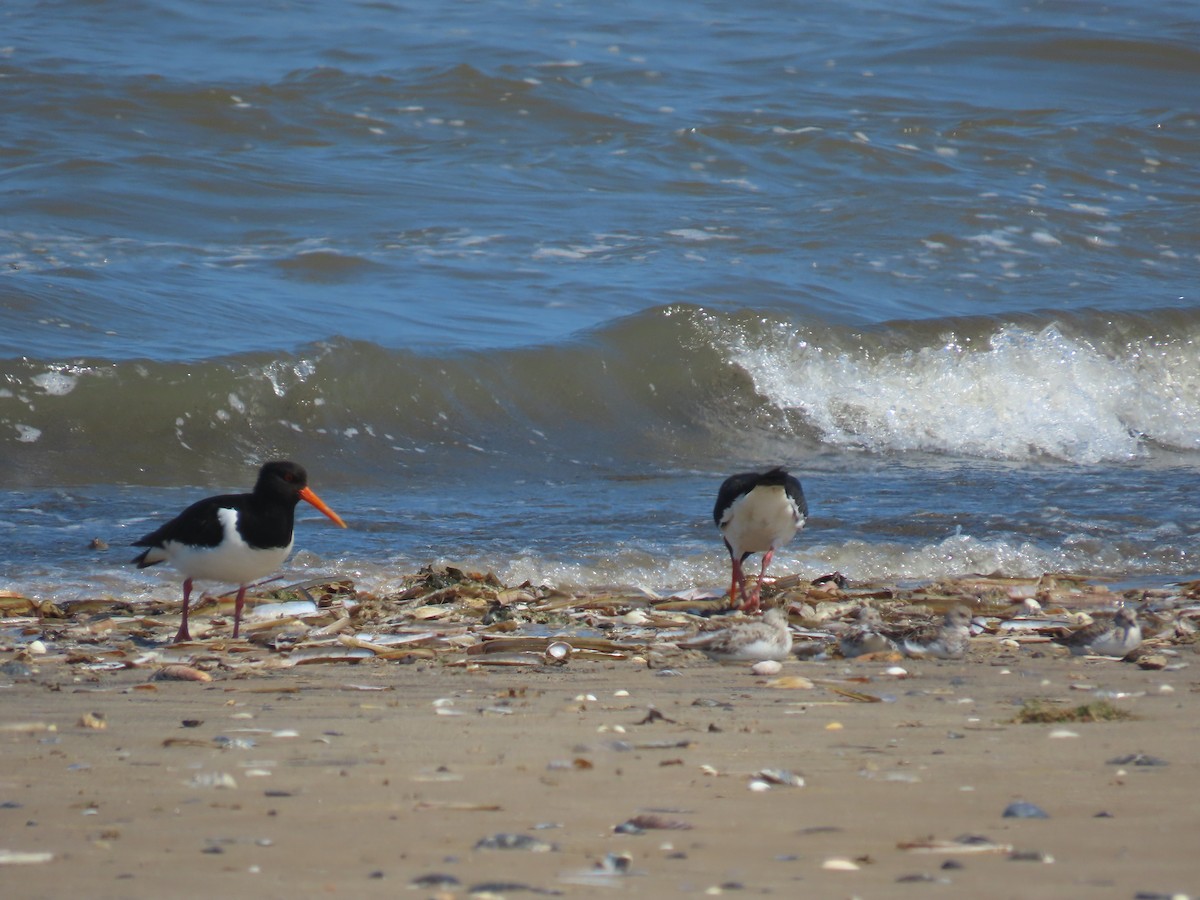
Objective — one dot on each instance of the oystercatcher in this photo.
(757, 512)
(235, 538)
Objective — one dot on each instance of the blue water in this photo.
(521, 283)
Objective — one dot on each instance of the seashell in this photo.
(840, 864)
(24, 857)
(506, 841)
(220, 780)
(94, 721)
(783, 777)
(36, 648)
(178, 672)
(652, 821)
(896, 671)
(767, 667)
(1063, 733)
(558, 653)
(1030, 856)
(791, 683)
(288, 609)
(759, 785)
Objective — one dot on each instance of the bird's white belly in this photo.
(232, 561)
(764, 519)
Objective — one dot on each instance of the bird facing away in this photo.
(757, 639)
(234, 538)
(757, 512)
(1116, 637)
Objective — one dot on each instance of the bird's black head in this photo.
(281, 476)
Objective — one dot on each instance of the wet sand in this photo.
(355, 779)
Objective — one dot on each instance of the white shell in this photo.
(767, 667)
(840, 864)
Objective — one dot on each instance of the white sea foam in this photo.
(1021, 394)
(55, 384)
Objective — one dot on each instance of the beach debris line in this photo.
(450, 616)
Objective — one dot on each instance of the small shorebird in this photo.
(234, 538)
(864, 635)
(1117, 637)
(757, 512)
(757, 639)
(949, 641)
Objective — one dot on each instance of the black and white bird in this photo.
(757, 512)
(234, 538)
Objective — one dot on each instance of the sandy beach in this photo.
(442, 777)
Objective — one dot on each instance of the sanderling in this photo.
(949, 641)
(1118, 636)
(863, 637)
(758, 639)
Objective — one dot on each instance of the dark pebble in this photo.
(919, 877)
(507, 887)
(1137, 759)
(14, 668)
(952, 864)
(10, 804)
(376, 874)
(628, 828)
(434, 880)
(192, 723)
(1022, 810)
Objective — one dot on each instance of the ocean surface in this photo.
(521, 282)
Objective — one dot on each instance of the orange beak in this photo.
(308, 496)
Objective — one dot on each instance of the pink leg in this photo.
(183, 634)
(739, 583)
(756, 595)
(237, 609)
